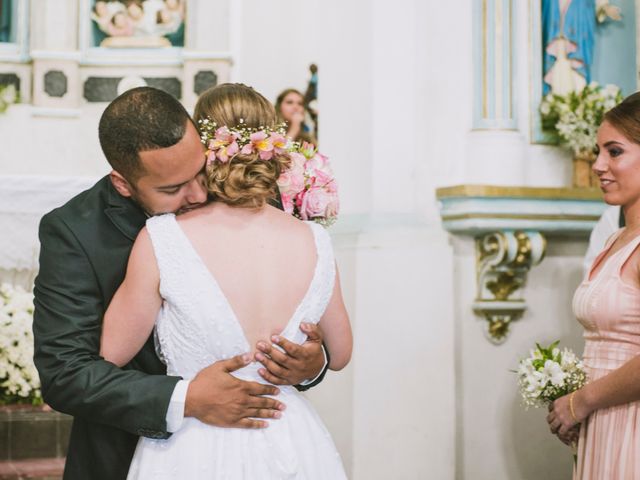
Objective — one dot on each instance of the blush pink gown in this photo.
(609, 310)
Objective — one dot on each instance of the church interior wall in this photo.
(426, 395)
(492, 418)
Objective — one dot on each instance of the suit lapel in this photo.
(124, 213)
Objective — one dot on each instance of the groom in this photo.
(158, 166)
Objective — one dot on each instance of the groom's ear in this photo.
(121, 184)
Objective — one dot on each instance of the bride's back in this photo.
(262, 259)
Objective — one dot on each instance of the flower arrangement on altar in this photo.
(19, 381)
(573, 119)
(548, 374)
(8, 96)
(308, 187)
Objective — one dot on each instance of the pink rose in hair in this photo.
(334, 206)
(291, 182)
(297, 161)
(323, 179)
(314, 203)
(287, 203)
(319, 162)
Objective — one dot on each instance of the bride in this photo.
(215, 280)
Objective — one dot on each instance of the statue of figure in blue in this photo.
(568, 34)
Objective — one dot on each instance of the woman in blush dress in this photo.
(607, 304)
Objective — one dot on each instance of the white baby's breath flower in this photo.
(545, 108)
(18, 376)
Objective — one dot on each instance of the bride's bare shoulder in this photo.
(286, 220)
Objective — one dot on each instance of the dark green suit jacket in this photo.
(85, 245)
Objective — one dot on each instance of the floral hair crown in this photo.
(223, 143)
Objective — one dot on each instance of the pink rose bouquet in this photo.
(308, 188)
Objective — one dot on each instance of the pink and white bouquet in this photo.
(308, 188)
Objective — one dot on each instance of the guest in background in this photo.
(290, 108)
(607, 304)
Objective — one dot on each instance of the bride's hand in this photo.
(298, 362)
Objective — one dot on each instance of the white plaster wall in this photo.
(54, 25)
(496, 438)
(337, 37)
(211, 26)
(443, 98)
(392, 412)
(42, 145)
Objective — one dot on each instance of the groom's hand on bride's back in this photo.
(218, 398)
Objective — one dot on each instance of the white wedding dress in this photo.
(197, 327)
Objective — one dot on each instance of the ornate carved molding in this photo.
(508, 223)
(503, 261)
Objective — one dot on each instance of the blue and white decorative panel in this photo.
(494, 22)
(14, 32)
(145, 32)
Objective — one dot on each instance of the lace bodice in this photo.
(196, 325)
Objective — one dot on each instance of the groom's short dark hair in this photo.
(140, 119)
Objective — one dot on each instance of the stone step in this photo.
(33, 468)
(28, 432)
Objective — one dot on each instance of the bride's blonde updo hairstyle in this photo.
(245, 180)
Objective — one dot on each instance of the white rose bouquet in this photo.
(19, 381)
(574, 118)
(548, 374)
